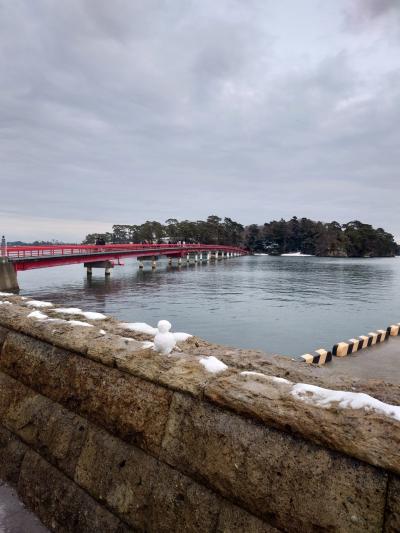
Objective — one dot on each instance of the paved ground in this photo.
(14, 517)
(381, 361)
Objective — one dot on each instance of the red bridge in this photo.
(16, 258)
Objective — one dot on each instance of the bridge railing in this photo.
(21, 252)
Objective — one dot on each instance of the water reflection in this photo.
(285, 305)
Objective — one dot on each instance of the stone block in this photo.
(290, 483)
(117, 475)
(13, 316)
(177, 503)
(6, 396)
(233, 519)
(366, 435)
(134, 409)
(56, 332)
(59, 503)
(145, 493)
(12, 452)
(54, 432)
(392, 516)
(107, 349)
(180, 372)
(3, 335)
(60, 333)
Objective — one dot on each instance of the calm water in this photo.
(279, 304)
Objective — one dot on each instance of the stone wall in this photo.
(100, 433)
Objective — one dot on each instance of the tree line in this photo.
(353, 239)
(214, 230)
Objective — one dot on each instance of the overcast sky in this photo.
(125, 110)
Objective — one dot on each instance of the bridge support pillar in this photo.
(196, 258)
(170, 261)
(179, 261)
(8, 276)
(152, 258)
(188, 258)
(107, 265)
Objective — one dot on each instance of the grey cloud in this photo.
(361, 14)
(124, 111)
(376, 8)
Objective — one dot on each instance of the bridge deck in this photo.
(26, 257)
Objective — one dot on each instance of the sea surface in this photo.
(286, 305)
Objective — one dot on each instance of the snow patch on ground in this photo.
(2, 302)
(38, 303)
(212, 364)
(265, 376)
(38, 315)
(147, 344)
(280, 380)
(102, 332)
(181, 337)
(69, 310)
(91, 315)
(6, 294)
(255, 374)
(321, 397)
(140, 327)
(79, 323)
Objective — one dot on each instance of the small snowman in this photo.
(164, 341)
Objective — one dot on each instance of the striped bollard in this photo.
(319, 357)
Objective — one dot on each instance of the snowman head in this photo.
(164, 326)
